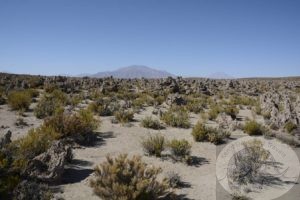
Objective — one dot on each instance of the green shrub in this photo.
(47, 106)
(180, 149)
(143, 100)
(154, 145)
(75, 100)
(128, 179)
(195, 105)
(203, 133)
(231, 111)
(19, 100)
(290, 126)
(34, 143)
(124, 116)
(149, 122)
(176, 117)
(243, 100)
(199, 132)
(104, 107)
(253, 128)
(214, 112)
(78, 126)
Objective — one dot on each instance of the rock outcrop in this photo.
(49, 166)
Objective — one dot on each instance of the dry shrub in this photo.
(180, 149)
(203, 133)
(253, 128)
(79, 126)
(213, 112)
(49, 104)
(154, 145)
(128, 179)
(176, 117)
(290, 126)
(37, 141)
(149, 122)
(124, 116)
(19, 100)
(248, 163)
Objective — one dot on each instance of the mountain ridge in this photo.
(132, 71)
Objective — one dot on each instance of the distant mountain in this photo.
(134, 71)
(220, 75)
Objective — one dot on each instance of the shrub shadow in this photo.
(98, 139)
(197, 161)
(75, 175)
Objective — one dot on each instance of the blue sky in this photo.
(242, 38)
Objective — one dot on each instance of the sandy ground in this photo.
(199, 179)
(8, 119)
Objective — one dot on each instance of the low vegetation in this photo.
(202, 133)
(124, 116)
(50, 103)
(176, 117)
(34, 143)
(249, 161)
(128, 179)
(180, 149)
(253, 128)
(19, 100)
(232, 111)
(213, 112)
(290, 126)
(79, 126)
(149, 122)
(154, 145)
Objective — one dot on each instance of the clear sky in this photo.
(186, 37)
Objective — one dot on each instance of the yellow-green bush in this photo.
(253, 128)
(104, 107)
(290, 126)
(124, 116)
(78, 126)
(19, 100)
(199, 132)
(143, 100)
(176, 117)
(180, 149)
(149, 122)
(47, 106)
(203, 133)
(128, 179)
(154, 145)
(232, 111)
(195, 105)
(34, 143)
(243, 100)
(213, 112)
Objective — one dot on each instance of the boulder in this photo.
(49, 166)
